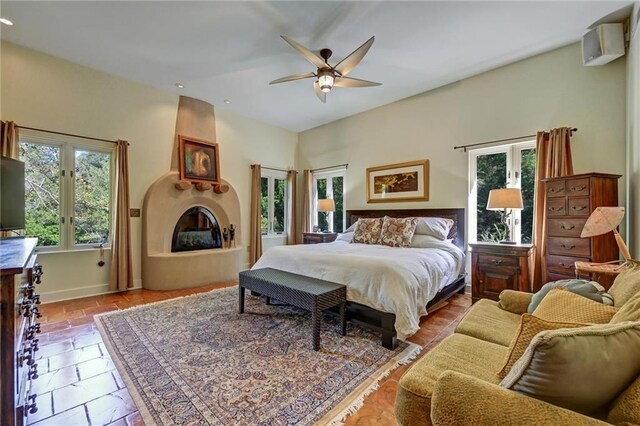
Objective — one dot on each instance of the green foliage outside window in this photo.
(491, 173)
(93, 197)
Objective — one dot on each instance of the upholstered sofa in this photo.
(456, 383)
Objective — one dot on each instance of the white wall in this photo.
(43, 91)
(543, 92)
(633, 136)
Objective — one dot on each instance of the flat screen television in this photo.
(11, 194)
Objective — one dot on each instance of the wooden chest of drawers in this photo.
(19, 329)
(569, 202)
(496, 267)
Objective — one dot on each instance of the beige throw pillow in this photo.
(581, 369)
(529, 327)
(626, 284)
(367, 231)
(561, 305)
(397, 232)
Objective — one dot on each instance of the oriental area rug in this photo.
(197, 361)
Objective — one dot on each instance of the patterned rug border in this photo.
(349, 405)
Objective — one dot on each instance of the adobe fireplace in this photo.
(197, 229)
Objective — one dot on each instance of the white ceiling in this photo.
(231, 50)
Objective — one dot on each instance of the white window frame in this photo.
(513, 180)
(68, 146)
(270, 175)
(329, 174)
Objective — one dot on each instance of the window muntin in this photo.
(69, 191)
(510, 166)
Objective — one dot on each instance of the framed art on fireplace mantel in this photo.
(199, 160)
(398, 182)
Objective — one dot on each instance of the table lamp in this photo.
(603, 220)
(326, 205)
(503, 199)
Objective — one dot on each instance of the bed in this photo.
(388, 289)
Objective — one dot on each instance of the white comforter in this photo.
(396, 280)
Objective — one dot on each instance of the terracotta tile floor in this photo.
(79, 384)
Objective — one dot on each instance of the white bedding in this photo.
(397, 280)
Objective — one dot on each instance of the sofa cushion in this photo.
(624, 410)
(630, 311)
(626, 284)
(560, 305)
(516, 302)
(458, 353)
(486, 321)
(589, 289)
(529, 327)
(581, 369)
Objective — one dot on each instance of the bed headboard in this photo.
(457, 230)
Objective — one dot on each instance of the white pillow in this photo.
(425, 241)
(438, 227)
(345, 236)
(352, 227)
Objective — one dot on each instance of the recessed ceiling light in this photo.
(180, 85)
(227, 101)
(6, 21)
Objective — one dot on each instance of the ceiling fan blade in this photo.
(309, 55)
(294, 77)
(354, 82)
(345, 66)
(319, 93)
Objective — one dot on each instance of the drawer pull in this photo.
(497, 261)
(578, 188)
(564, 265)
(33, 372)
(554, 209)
(553, 190)
(33, 407)
(579, 208)
(569, 247)
(567, 228)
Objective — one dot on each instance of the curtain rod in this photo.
(465, 147)
(276, 169)
(66, 134)
(331, 167)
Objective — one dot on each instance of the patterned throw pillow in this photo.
(367, 231)
(560, 305)
(397, 232)
(529, 327)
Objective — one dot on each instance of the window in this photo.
(274, 202)
(68, 191)
(330, 184)
(510, 166)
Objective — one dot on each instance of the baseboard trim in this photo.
(80, 292)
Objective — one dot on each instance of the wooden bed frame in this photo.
(383, 322)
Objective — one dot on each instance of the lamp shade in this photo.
(326, 205)
(505, 198)
(602, 220)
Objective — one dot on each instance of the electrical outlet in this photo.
(134, 212)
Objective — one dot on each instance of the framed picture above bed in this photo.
(199, 160)
(398, 182)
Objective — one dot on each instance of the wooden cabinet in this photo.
(569, 202)
(496, 267)
(318, 237)
(19, 329)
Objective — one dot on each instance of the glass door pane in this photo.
(321, 190)
(338, 215)
(527, 184)
(491, 173)
(264, 205)
(92, 197)
(278, 205)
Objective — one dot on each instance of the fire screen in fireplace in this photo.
(197, 229)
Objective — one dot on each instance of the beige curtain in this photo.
(121, 272)
(9, 139)
(553, 159)
(292, 232)
(255, 237)
(307, 203)
(8, 147)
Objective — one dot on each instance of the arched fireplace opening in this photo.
(197, 229)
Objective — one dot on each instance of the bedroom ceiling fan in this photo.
(328, 76)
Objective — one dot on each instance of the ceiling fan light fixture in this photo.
(325, 80)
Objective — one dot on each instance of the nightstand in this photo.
(318, 237)
(496, 267)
